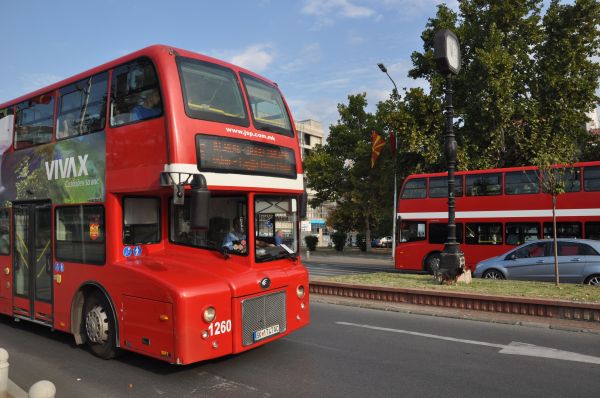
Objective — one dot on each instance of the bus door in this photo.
(32, 261)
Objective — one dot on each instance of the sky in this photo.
(318, 51)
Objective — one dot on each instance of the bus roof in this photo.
(498, 170)
(154, 51)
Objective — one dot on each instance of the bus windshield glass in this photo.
(267, 107)
(227, 225)
(211, 92)
(276, 221)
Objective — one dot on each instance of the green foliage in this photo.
(526, 82)
(311, 242)
(341, 171)
(339, 240)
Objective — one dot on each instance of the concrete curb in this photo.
(586, 314)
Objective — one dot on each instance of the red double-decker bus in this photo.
(496, 210)
(152, 204)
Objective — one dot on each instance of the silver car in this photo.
(578, 262)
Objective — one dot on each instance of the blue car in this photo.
(578, 262)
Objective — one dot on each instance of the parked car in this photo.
(578, 262)
(386, 241)
(375, 242)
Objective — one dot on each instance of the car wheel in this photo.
(493, 274)
(593, 280)
(432, 263)
(99, 326)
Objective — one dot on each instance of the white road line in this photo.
(514, 348)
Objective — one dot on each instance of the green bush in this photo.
(339, 240)
(311, 242)
(361, 242)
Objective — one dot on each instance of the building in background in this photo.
(594, 124)
(310, 134)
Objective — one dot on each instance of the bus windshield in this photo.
(276, 220)
(211, 92)
(267, 107)
(227, 225)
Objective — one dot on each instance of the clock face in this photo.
(453, 53)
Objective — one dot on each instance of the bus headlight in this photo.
(209, 314)
(300, 291)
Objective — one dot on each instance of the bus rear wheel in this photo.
(432, 263)
(99, 326)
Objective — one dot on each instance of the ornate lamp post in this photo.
(447, 56)
(384, 70)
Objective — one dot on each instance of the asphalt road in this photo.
(345, 352)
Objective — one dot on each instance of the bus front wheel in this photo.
(432, 263)
(99, 326)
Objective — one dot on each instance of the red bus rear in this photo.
(151, 204)
(496, 210)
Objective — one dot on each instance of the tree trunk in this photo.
(556, 276)
(368, 232)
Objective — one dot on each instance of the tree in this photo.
(341, 171)
(526, 82)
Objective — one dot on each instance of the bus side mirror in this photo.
(302, 205)
(200, 197)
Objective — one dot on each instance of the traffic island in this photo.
(530, 307)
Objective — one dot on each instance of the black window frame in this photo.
(548, 225)
(57, 245)
(512, 188)
(419, 238)
(414, 180)
(521, 233)
(5, 212)
(211, 116)
(596, 226)
(265, 126)
(571, 184)
(159, 224)
(475, 240)
(458, 186)
(586, 169)
(137, 92)
(18, 122)
(73, 88)
(434, 237)
(472, 178)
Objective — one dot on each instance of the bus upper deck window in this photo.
(135, 93)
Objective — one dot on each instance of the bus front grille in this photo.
(262, 313)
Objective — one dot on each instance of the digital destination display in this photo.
(231, 155)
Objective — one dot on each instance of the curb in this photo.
(556, 310)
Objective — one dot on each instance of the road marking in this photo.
(514, 348)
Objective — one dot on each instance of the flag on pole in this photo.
(377, 144)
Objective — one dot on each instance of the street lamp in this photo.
(447, 56)
(395, 94)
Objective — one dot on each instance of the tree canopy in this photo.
(527, 81)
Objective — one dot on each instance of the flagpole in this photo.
(395, 94)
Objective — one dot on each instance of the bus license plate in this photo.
(266, 332)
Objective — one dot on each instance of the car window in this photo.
(539, 249)
(574, 249)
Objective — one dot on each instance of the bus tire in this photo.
(432, 263)
(98, 326)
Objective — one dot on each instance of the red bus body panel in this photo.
(501, 208)
(159, 297)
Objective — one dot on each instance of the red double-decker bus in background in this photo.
(152, 204)
(496, 210)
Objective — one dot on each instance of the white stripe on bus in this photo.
(503, 214)
(239, 180)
